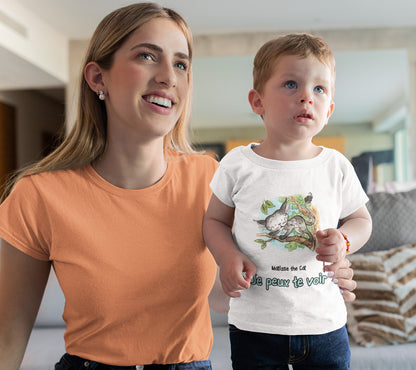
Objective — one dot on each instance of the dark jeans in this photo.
(250, 350)
(69, 362)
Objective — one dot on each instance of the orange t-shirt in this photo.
(132, 264)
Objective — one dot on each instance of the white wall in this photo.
(27, 40)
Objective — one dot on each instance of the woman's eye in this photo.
(291, 85)
(319, 89)
(182, 66)
(145, 56)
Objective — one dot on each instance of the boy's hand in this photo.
(331, 245)
(236, 272)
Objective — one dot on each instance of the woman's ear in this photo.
(93, 76)
(256, 102)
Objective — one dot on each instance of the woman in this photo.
(117, 210)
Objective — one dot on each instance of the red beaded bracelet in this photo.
(347, 242)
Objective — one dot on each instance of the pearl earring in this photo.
(101, 95)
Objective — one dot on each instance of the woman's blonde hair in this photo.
(88, 137)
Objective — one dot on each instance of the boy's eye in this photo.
(319, 89)
(291, 85)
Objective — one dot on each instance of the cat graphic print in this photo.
(291, 221)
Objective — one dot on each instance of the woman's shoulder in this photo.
(51, 179)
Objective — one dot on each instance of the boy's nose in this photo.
(305, 95)
(308, 101)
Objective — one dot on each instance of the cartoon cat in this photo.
(280, 223)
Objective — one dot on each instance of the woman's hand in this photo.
(343, 275)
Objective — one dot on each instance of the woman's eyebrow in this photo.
(158, 49)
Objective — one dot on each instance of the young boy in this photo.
(282, 207)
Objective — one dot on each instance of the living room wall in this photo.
(357, 138)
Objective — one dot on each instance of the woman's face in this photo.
(148, 84)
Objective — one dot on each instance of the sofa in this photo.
(394, 232)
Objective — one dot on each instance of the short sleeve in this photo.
(353, 194)
(223, 183)
(24, 221)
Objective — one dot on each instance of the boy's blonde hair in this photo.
(88, 137)
(299, 44)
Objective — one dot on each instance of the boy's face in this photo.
(296, 101)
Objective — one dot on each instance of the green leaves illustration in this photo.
(265, 206)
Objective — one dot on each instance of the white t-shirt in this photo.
(279, 206)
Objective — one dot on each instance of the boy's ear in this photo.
(93, 76)
(256, 102)
(330, 111)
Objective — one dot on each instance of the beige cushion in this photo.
(385, 309)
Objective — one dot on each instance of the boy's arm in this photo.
(357, 227)
(357, 230)
(217, 226)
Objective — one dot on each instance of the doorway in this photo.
(8, 161)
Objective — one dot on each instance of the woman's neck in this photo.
(132, 167)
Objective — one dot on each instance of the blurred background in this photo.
(42, 43)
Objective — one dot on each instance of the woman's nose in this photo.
(166, 75)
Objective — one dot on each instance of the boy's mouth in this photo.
(304, 115)
(158, 100)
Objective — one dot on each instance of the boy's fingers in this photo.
(250, 269)
(320, 234)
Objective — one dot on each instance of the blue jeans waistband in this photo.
(71, 362)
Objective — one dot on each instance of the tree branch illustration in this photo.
(301, 209)
(298, 239)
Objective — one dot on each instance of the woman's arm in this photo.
(22, 283)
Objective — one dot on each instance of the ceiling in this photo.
(78, 18)
(367, 81)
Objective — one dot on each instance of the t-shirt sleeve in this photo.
(24, 221)
(222, 184)
(353, 194)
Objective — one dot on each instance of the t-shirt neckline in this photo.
(249, 153)
(113, 189)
